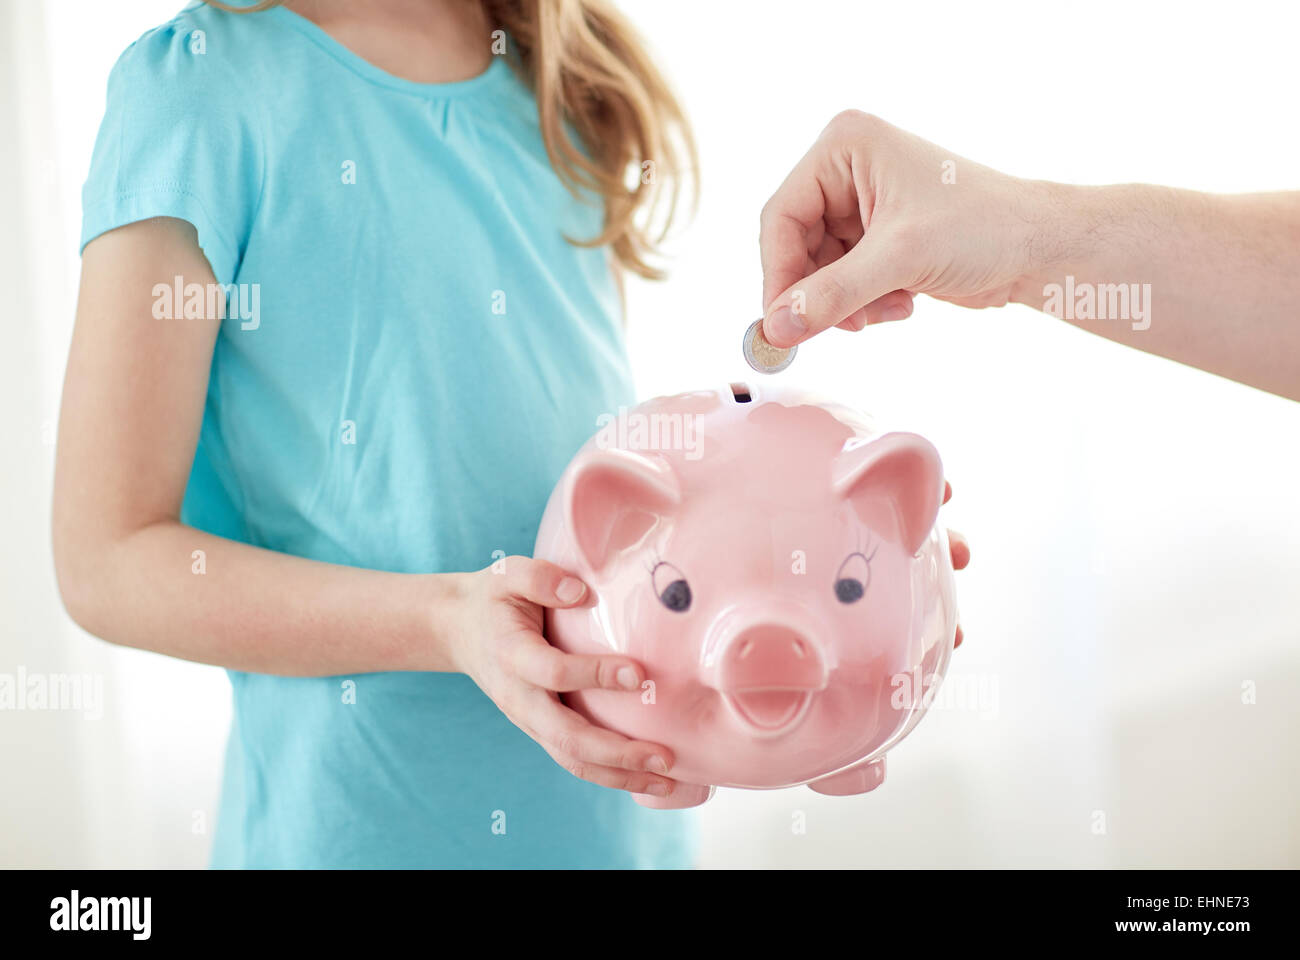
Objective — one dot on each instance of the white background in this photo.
(1134, 523)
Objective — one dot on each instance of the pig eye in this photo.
(853, 578)
(671, 587)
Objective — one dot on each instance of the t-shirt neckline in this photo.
(497, 71)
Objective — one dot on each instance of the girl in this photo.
(414, 211)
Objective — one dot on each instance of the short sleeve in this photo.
(181, 138)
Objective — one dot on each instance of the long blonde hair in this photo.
(590, 73)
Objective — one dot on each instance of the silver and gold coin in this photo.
(761, 355)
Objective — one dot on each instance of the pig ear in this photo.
(895, 481)
(615, 499)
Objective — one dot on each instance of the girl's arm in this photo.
(132, 407)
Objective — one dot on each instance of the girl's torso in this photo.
(412, 354)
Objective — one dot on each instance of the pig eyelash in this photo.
(850, 589)
(867, 557)
(676, 595)
(862, 548)
(653, 568)
(862, 544)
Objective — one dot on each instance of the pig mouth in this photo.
(770, 710)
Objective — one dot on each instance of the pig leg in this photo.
(859, 778)
(686, 795)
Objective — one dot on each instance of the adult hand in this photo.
(870, 217)
(873, 215)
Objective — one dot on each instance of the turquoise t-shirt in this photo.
(412, 354)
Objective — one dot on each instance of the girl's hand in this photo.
(872, 215)
(959, 550)
(498, 642)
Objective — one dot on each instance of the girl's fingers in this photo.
(575, 742)
(617, 778)
(959, 549)
(542, 665)
(542, 582)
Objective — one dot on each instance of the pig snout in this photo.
(768, 674)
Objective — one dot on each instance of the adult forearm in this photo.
(175, 590)
(1208, 280)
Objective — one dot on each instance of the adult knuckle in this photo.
(852, 121)
(832, 293)
(906, 233)
(902, 251)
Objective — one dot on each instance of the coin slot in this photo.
(741, 392)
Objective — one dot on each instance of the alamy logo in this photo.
(976, 693)
(631, 430)
(179, 300)
(25, 690)
(74, 913)
(1099, 301)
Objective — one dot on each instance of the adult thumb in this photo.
(830, 295)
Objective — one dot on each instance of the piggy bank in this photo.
(774, 564)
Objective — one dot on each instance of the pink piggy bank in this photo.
(774, 564)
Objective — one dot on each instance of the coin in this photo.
(761, 355)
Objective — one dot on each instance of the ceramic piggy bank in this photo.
(774, 564)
